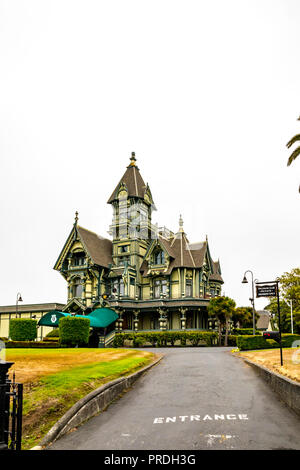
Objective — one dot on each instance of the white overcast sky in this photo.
(205, 92)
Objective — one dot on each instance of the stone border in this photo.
(287, 389)
(90, 405)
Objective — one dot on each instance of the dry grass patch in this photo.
(270, 358)
(55, 379)
(31, 364)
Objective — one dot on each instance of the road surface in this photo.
(194, 399)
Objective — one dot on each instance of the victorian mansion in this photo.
(152, 277)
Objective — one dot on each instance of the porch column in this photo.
(183, 317)
(136, 319)
(119, 322)
(161, 319)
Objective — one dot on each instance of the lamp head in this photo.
(244, 281)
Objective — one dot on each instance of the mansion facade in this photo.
(151, 277)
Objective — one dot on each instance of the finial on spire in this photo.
(76, 218)
(132, 159)
(180, 224)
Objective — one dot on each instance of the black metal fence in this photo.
(11, 400)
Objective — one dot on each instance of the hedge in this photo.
(259, 342)
(245, 331)
(74, 331)
(23, 329)
(166, 338)
(32, 344)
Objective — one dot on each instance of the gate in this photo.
(11, 400)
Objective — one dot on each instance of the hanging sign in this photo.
(266, 290)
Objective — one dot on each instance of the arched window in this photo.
(77, 288)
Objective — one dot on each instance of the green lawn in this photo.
(48, 396)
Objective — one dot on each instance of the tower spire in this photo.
(132, 159)
(181, 224)
(76, 218)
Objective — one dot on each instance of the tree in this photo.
(296, 152)
(222, 308)
(289, 290)
(243, 317)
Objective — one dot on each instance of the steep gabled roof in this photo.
(216, 274)
(185, 254)
(181, 252)
(133, 182)
(98, 248)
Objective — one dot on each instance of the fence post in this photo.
(4, 404)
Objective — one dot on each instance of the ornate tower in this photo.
(131, 227)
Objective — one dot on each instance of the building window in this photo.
(123, 248)
(159, 257)
(160, 288)
(77, 288)
(124, 260)
(189, 288)
(78, 259)
(118, 287)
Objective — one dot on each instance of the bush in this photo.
(32, 344)
(259, 342)
(74, 331)
(287, 339)
(245, 331)
(231, 340)
(138, 341)
(53, 334)
(23, 329)
(166, 338)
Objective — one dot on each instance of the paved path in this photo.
(195, 398)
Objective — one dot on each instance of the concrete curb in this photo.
(287, 389)
(90, 405)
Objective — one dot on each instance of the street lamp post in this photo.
(290, 304)
(244, 281)
(19, 299)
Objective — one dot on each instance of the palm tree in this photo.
(296, 152)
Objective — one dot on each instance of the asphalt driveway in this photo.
(194, 399)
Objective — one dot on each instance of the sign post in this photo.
(271, 289)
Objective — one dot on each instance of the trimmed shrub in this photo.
(74, 331)
(53, 334)
(287, 339)
(138, 341)
(259, 342)
(23, 329)
(32, 344)
(54, 339)
(166, 338)
(245, 331)
(231, 340)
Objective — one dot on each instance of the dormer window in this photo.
(159, 257)
(78, 259)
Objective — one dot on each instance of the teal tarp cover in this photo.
(102, 317)
(99, 318)
(52, 318)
